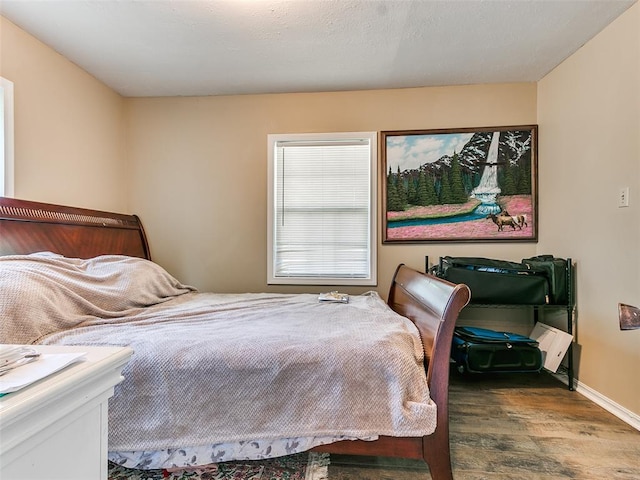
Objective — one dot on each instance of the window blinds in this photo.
(322, 209)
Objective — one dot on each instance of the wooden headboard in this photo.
(28, 227)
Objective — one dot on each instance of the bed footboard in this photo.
(433, 305)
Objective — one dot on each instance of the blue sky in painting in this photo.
(411, 151)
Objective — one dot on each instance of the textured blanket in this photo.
(210, 368)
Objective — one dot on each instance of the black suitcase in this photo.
(556, 271)
(497, 281)
(479, 350)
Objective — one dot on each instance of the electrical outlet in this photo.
(623, 197)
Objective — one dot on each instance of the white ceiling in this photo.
(222, 47)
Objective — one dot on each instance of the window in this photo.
(322, 198)
(6, 138)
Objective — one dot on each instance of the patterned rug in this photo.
(302, 466)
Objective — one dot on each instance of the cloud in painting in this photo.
(411, 151)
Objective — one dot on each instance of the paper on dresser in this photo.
(45, 365)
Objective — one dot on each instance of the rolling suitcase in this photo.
(479, 350)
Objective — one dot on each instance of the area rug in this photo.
(302, 466)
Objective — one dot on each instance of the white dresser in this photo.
(56, 428)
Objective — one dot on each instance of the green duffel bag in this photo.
(555, 269)
(498, 282)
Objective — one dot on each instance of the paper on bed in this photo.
(333, 296)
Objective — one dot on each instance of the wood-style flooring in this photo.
(520, 427)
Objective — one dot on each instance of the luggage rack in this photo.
(569, 306)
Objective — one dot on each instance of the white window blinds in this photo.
(322, 202)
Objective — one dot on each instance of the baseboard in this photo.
(609, 405)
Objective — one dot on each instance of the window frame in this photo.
(6, 141)
(272, 142)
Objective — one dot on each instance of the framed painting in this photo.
(460, 185)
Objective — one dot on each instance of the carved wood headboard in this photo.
(28, 227)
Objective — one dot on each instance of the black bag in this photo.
(479, 350)
(555, 269)
(497, 281)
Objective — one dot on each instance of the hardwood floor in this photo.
(520, 427)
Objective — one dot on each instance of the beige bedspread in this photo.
(210, 367)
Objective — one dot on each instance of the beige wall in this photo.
(589, 125)
(202, 162)
(69, 127)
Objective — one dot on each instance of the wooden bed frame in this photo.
(431, 303)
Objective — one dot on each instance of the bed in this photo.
(287, 383)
